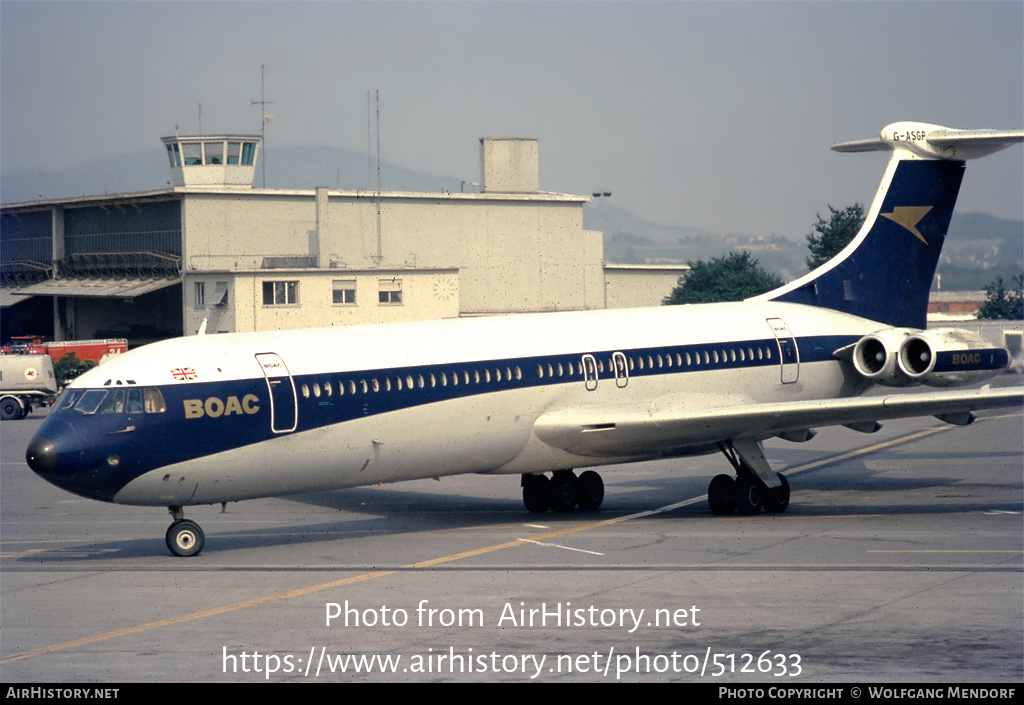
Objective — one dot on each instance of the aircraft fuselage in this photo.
(252, 415)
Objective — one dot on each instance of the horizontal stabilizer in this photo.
(935, 141)
(875, 145)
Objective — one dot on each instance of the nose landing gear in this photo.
(184, 537)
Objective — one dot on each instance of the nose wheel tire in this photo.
(185, 538)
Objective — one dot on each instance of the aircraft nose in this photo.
(53, 453)
(41, 456)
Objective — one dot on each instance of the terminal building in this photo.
(211, 247)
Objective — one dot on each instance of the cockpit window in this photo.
(134, 405)
(114, 403)
(68, 398)
(154, 401)
(91, 401)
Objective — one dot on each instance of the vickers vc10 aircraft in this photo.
(219, 418)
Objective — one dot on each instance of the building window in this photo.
(390, 292)
(344, 292)
(280, 293)
(200, 294)
(220, 294)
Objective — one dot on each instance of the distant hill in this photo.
(301, 166)
(979, 247)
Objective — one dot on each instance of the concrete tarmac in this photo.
(899, 559)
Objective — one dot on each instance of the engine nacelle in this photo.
(947, 357)
(876, 357)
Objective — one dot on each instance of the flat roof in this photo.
(107, 287)
(179, 191)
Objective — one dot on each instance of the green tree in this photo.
(832, 235)
(69, 367)
(732, 277)
(1002, 303)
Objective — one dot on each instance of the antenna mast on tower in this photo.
(263, 103)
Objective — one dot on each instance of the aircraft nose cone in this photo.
(53, 453)
(41, 456)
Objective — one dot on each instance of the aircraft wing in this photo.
(666, 425)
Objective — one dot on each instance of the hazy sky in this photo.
(716, 115)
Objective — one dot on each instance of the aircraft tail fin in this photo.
(886, 271)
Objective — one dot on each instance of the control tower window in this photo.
(234, 150)
(214, 152)
(174, 155)
(248, 153)
(193, 153)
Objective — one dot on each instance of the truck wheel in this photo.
(10, 409)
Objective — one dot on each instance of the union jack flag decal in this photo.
(183, 373)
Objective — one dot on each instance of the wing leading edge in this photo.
(663, 427)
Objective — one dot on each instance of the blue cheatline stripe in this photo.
(537, 371)
(167, 438)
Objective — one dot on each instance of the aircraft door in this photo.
(284, 403)
(789, 354)
(590, 372)
(621, 369)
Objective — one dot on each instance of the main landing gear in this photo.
(756, 485)
(563, 492)
(184, 537)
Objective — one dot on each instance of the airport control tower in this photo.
(221, 161)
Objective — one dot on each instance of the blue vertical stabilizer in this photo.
(886, 272)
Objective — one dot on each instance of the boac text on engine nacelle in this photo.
(949, 357)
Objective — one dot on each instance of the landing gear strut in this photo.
(184, 537)
(756, 484)
(563, 492)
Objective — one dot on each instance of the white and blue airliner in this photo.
(219, 418)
